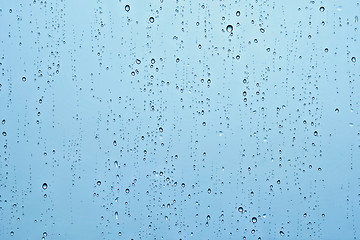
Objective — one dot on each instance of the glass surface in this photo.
(179, 119)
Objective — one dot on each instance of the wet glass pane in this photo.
(175, 119)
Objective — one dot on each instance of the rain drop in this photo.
(229, 28)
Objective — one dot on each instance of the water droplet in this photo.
(23, 79)
(353, 59)
(44, 186)
(127, 8)
(241, 209)
(127, 190)
(238, 13)
(209, 190)
(116, 215)
(282, 233)
(151, 19)
(161, 129)
(336, 110)
(229, 28)
(254, 219)
(322, 9)
(98, 183)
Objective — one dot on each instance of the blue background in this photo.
(164, 129)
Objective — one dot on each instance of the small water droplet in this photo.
(229, 28)
(353, 59)
(151, 19)
(44, 186)
(127, 8)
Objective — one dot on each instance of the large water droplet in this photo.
(229, 28)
